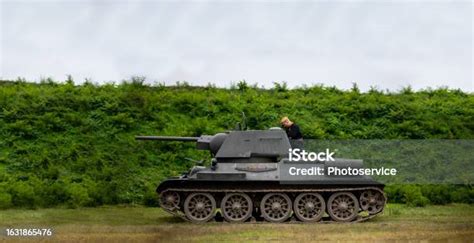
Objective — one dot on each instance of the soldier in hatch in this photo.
(293, 132)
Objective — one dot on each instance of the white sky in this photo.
(387, 44)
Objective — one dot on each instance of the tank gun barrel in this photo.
(168, 138)
(204, 142)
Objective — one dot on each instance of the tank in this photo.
(247, 182)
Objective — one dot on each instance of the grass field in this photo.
(440, 223)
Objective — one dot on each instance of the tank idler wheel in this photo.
(343, 206)
(169, 200)
(276, 207)
(372, 201)
(309, 207)
(199, 207)
(236, 207)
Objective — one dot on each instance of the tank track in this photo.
(178, 211)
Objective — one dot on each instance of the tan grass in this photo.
(137, 224)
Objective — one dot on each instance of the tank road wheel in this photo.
(169, 200)
(236, 207)
(199, 207)
(276, 207)
(309, 207)
(372, 201)
(343, 206)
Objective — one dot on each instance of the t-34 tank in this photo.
(248, 180)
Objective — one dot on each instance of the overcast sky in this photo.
(386, 44)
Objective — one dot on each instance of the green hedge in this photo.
(66, 144)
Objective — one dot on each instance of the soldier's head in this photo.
(285, 122)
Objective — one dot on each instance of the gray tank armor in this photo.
(244, 182)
